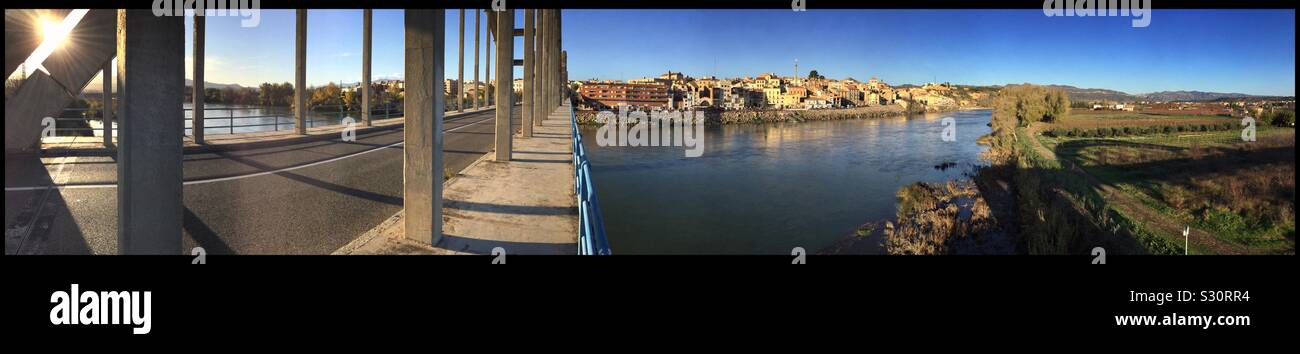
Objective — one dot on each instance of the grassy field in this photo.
(1242, 193)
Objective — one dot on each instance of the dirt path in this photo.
(1132, 208)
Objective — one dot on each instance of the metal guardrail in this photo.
(85, 115)
(285, 119)
(591, 225)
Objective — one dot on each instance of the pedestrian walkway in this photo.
(524, 206)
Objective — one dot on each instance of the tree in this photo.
(278, 95)
(212, 95)
(328, 95)
(814, 75)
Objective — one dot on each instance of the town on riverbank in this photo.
(772, 98)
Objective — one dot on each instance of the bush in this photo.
(1128, 130)
(1168, 129)
(1282, 118)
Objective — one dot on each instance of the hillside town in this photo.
(676, 90)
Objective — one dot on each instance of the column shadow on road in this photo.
(203, 235)
(41, 222)
(509, 209)
(478, 246)
(397, 201)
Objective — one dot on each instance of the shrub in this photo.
(1282, 118)
(1168, 129)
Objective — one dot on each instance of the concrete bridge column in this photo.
(527, 95)
(365, 65)
(300, 74)
(505, 27)
(199, 90)
(460, 73)
(549, 89)
(564, 75)
(151, 62)
(487, 69)
(477, 90)
(541, 96)
(560, 78)
(422, 154)
(106, 109)
(555, 60)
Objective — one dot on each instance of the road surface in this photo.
(307, 198)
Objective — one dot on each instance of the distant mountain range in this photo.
(207, 84)
(1191, 96)
(96, 88)
(1096, 94)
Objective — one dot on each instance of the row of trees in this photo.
(281, 95)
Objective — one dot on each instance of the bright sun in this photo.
(54, 31)
(54, 34)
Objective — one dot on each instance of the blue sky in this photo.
(1247, 51)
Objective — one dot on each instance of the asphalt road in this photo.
(316, 197)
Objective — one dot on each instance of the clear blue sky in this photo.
(1247, 51)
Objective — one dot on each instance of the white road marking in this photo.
(231, 178)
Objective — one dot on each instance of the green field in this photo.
(1242, 193)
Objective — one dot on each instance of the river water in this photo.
(766, 188)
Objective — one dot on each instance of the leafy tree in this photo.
(328, 95)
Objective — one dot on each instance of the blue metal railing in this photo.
(591, 225)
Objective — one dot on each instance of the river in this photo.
(766, 188)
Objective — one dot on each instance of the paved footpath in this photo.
(525, 206)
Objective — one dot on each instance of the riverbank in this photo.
(719, 117)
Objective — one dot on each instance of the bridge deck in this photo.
(525, 206)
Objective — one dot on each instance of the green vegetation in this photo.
(1277, 118)
(1055, 208)
(1240, 192)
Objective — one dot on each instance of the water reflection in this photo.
(765, 188)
